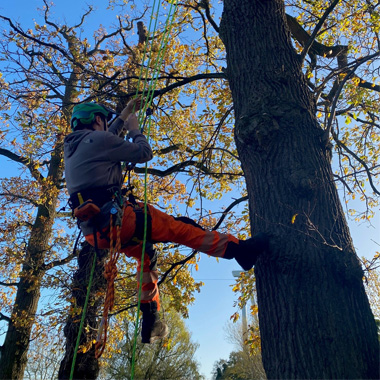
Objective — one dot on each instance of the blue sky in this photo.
(214, 305)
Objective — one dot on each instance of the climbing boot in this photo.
(247, 251)
(152, 327)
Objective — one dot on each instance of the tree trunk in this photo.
(86, 365)
(315, 319)
(14, 351)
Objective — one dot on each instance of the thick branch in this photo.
(188, 80)
(4, 318)
(9, 283)
(303, 37)
(22, 160)
(142, 32)
(317, 29)
(181, 82)
(179, 167)
(57, 263)
(17, 196)
(338, 51)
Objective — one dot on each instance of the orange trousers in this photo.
(163, 228)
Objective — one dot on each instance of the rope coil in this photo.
(110, 273)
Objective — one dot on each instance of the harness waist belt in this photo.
(98, 195)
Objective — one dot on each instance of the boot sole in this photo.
(161, 336)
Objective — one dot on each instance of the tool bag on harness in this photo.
(86, 210)
(86, 203)
(94, 206)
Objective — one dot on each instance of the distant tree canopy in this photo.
(237, 367)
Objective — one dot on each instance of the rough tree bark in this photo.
(315, 319)
(86, 365)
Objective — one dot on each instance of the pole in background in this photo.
(236, 273)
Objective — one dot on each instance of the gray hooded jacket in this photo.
(93, 158)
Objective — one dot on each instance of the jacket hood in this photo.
(72, 141)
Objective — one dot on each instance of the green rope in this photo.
(150, 93)
(84, 311)
(145, 51)
(159, 58)
(145, 179)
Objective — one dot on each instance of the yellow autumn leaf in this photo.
(294, 218)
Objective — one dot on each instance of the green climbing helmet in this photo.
(85, 113)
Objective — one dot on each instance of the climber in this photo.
(93, 153)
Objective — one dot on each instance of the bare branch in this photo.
(116, 32)
(175, 147)
(341, 179)
(46, 14)
(36, 40)
(358, 63)
(228, 209)
(176, 264)
(205, 4)
(312, 47)
(55, 71)
(357, 158)
(83, 18)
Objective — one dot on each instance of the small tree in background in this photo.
(171, 359)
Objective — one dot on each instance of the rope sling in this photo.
(111, 268)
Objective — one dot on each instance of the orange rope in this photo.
(110, 273)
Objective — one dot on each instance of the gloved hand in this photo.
(133, 106)
(131, 123)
